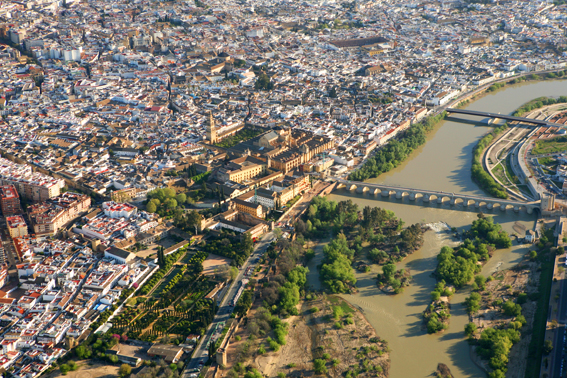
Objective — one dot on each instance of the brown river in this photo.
(444, 164)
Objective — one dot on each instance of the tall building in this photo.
(17, 226)
(9, 200)
(49, 216)
(31, 185)
(211, 131)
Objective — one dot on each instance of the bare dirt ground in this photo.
(523, 278)
(88, 371)
(213, 262)
(152, 248)
(134, 351)
(356, 347)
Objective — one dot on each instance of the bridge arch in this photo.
(439, 197)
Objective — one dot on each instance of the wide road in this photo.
(200, 356)
(558, 368)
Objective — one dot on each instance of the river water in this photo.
(443, 164)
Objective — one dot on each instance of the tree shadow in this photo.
(460, 356)
(416, 328)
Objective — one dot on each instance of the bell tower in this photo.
(211, 131)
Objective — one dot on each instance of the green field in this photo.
(550, 146)
(525, 190)
(509, 172)
(240, 136)
(499, 172)
(547, 161)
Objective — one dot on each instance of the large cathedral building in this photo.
(283, 149)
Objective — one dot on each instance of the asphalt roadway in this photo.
(559, 368)
(200, 355)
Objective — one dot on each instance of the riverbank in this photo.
(437, 115)
(504, 159)
(500, 84)
(484, 180)
(441, 164)
(328, 337)
(520, 285)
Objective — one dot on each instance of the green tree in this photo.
(309, 225)
(64, 368)
(181, 198)
(233, 272)
(126, 369)
(547, 347)
(473, 303)
(480, 281)
(82, 352)
(170, 203)
(389, 270)
(435, 295)
(377, 256)
(151, 207)
(253, 374)
(511, 309)
(470, 329)
(319, 367)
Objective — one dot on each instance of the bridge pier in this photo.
(530, 210)
(439, 197)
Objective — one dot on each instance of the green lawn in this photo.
(547, 161)
(342, 304)
(240, 136)
(525, 190)
(509, 172)
(549, 146)
(498, 171)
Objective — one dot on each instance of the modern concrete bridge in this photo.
(467, 201)
(538, 122)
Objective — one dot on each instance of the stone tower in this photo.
(211, 131)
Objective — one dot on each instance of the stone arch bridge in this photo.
(472, 202)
